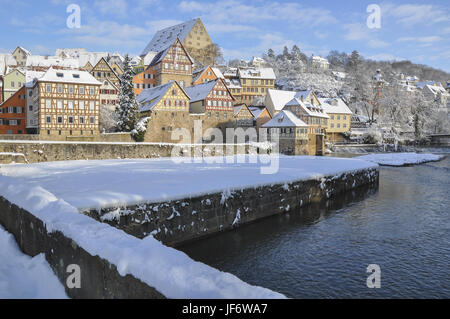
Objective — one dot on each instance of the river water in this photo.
(323, 251)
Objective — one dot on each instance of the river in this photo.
(323, 251)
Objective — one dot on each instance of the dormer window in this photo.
(60, 75)
(76, 76)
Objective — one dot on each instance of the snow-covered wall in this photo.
(181, 221)
(51, 151)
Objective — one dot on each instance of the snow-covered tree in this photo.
(127, 110)
(108, 120)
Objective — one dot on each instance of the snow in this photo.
(278, 99)
(400, 159)
(334, 106)
(23, 277)
(167, 36)
(69, 76)
(285, 119)
(55, 192)
(257, 73)
(169, 271)
(109, 183)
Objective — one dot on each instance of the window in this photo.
(59, 104)
(209, 114)
(91, 91)
(92, 105)
(60, 119)
(30, 108)
(10, 109)
(81, 90)
(13, 84)
(71, 89)
(48, 88)
(60, 89)
(71, 105)
(92, 120)
(81, 105)
(48, 119)
(48, 103)
(81, 120)
(70, 119)
(76, 76)
(217, 114)
(60, 75)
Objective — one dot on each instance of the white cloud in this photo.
(412, 14)
(429, 39)
(385, 57)
(375, 43)
(112, 7)
(241, 12)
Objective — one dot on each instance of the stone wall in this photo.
(178, 222)
(36, 152)
(104, 137)
(99, 279)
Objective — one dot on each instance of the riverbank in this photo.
(322, 251)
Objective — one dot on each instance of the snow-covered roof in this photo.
(256, 111)
(319, 59)
(257, 73)
(48, 61)
(436, 89)
(201, 91)
(421, 85)
(31, 76)
(218, 73)
(334, 106)
(8, 59)
(69, 76)
(238, 108)
(135, 60)
(310, 109)
(233, 84)
(199, 72)
(167, 36)
(92, 57)
(150, 97)
(279, 98)
(72, 53)
(285, 119)
(24, 50)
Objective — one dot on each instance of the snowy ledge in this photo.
(54, 193)
(401, 159)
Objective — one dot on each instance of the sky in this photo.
(418, 31)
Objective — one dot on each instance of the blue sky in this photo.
(412, 30)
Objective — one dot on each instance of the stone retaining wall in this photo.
(177, 222)
(99, 278)
(36, 152)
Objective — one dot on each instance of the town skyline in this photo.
(409, 30)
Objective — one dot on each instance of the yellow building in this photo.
(192, 34)
(340, 118)
(254, 83)
(65, 103)
(21, 55)
(307, 108)
(167, 106)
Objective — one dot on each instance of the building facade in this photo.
(171, 64)
(12, 82)
(213, 104)
(312, 113)
(289, 132)
(255, 83)
(13, 114)
(167, 107)
(21, 55)
(193, 36)
(340, 118)
(65, 104)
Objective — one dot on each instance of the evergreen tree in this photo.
(271, 54)
(127, 110)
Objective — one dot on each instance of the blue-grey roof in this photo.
(150, 97)
(167, 36)
(200, 92)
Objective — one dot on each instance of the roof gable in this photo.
(149, 98)
(285, 119)
(167, 36)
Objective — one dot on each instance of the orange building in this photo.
(206, 74)
(13, 114)
(144, 80)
